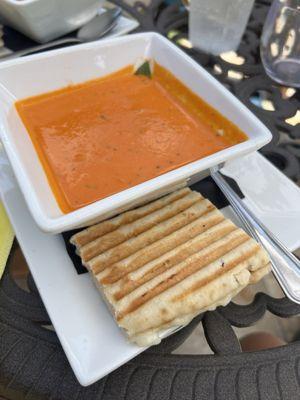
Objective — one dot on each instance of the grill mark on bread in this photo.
(123, 250)
(162, 246)
(102, 228)
(137, 227)
(203, 282)
(177, 277)
(179, 256)
(264, 269)
(184, 265)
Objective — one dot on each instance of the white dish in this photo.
(59, 68)
(44, 20)
(124, 25)
(89, 336)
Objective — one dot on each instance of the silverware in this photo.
(93, 30)
(285, 265)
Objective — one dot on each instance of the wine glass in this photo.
(280, 42)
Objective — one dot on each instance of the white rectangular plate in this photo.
(91, 339)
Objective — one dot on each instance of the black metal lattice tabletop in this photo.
(32, 362)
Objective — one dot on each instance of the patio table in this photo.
(32, 362)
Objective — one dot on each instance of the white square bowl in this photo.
(44, 20)
(53, 70)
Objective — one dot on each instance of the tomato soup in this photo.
(103, 136)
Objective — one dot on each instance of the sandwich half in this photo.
(160, 265)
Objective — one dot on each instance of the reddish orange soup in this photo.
(106, 135)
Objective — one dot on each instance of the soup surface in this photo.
(106, 135)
